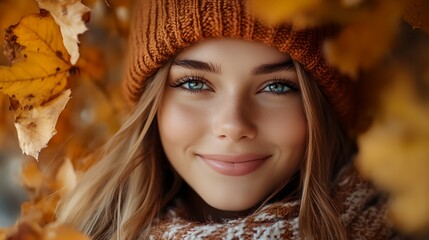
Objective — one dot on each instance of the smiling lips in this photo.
(234, 165)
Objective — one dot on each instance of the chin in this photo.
(228, 204)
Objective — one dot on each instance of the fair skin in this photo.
(231, 122)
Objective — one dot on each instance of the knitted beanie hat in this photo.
(161, 28)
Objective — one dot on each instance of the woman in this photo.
(238, 132)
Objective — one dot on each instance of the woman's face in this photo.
(231, 121)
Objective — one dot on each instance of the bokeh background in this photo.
(382, 45)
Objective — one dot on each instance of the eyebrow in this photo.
(274, 67)
(197, 65)
(210, 67)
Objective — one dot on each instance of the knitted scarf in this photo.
(363, 214)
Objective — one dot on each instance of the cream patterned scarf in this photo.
(364, 216)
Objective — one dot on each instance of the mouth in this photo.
(234, 165)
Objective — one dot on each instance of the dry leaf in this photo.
(66, 178)
(62, 232)
(25, 231)
(71, 16)
(20, 8)
(31, 176)
(39, 71)
(40, 63)
(42, 211)
(275, 11)
(417, 15)
(394, 152)
(308, 13)
(362, 44)
(36, 126)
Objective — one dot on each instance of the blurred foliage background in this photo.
(383, 45)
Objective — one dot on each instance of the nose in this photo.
(233, 121)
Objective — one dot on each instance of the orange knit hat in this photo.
(161, 28)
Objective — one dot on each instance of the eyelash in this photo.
(186, 79)
(294, 87)
(200, 78)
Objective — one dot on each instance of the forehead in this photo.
(233, 51)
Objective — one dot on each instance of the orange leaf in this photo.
(40, 61)
(275, 11)
(363, 43)
(37, 77)
(26, 231)
(62, 232)
(32, 177)
(417, 15)
(394, 152)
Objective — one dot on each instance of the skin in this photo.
(223, 106)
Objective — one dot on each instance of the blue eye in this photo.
(192, 84)
(277, 88)
(195, 85)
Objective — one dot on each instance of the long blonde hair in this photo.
(120, 196)
(124, 191)
(328, 149)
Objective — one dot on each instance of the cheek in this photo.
(286, 128)
(179, 125)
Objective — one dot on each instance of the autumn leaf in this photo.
(20, 8)
(394, 151)
(27, 230)
(41, 64)
(66, 178)
(71, 16)
(36, 126)
(46, 191)
(62, 232)
(361, 24)
(362, 44)
(31, 176)
(41, 211)
(275, 11)
(308, 13)
(416, 14)
(36, 79)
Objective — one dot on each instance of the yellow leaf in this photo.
(36, 126)
(71, 16)
(363, 43)
(394, 152)
(275, 11)
(20, 8)
(62, 232)
(308, 13)
(34, 82)
(40, 62)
